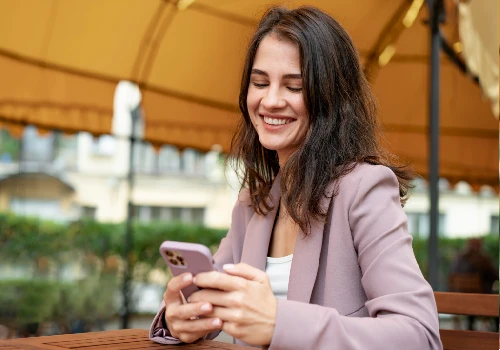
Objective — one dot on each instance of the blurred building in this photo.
(63, 178)
(66, 177)
(463, 212)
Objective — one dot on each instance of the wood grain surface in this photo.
(126, 339)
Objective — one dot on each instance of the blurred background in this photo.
(116, 115)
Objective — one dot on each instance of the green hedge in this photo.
(44, 248)
(27, 301)
(29, 239)
(25, 239)
(32, 301)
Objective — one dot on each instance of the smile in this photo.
(276, 121)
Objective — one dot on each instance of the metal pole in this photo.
(435, 40)
(129, 239)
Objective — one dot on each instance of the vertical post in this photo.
(20, 167)
(435, 41)
(129, 241)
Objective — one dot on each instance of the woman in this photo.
(318, 191)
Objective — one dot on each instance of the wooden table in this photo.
(126, 339)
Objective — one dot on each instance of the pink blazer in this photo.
(354, 281)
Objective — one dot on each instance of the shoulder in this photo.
(364, 171)
(244, 196)
(244, 201)
(243, 207)
(364, 177)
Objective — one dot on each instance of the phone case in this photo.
(187, 257)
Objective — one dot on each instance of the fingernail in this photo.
(216, 322)
(228, 266)
(205, 307)
(194, 280)
(187, 278)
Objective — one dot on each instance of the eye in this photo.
(260, 85)
(294, 89)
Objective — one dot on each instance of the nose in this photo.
(272, 99)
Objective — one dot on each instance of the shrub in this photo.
(46, 249)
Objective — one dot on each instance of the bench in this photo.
(472, 305)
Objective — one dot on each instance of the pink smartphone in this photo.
(187, 257)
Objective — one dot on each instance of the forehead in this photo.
(277, 53)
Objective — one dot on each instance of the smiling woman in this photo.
(318, 255)
(275, 101)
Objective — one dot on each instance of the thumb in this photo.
(245, 271)
(173, 294)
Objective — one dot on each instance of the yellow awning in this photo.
(60, 62)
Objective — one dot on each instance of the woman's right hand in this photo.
(183, 320)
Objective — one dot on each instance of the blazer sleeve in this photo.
(159, 330)
(401, 305)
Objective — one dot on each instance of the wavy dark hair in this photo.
(343, 130)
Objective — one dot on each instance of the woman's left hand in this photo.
(243, 299)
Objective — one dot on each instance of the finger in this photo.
(202, 325)
(245, 271)
(190, 337)
(212, 296)
(175, 285)
(188, 311)
(218, 280)
(232, 329)
(226, 314)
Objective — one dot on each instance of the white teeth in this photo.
(274, 121)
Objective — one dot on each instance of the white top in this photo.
(278, 270)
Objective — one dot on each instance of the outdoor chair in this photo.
(465, 283)
(472, 305)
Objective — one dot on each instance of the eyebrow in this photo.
(286, 76)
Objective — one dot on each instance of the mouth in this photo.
(276, 120)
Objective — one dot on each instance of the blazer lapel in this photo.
(306, 257)
(305, 263)
(258, 232)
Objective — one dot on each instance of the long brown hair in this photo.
(344, 128)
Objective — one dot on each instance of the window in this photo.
(494, 224)
(168, 159)
(198, 215)
(66, 152)
(156, 213)
(49, 209)
(144, 158)
(192, 162)
(88, 212)
(176, 214)
(36, 148)
(419, 222)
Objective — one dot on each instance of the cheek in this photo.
(300, 107)
(252, 101)
(252, 106)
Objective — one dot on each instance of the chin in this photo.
(270, 146)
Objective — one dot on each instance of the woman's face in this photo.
(275, 98)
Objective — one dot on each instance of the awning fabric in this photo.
(60, 62)
(479, 32)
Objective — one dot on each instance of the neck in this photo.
(283, 157)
